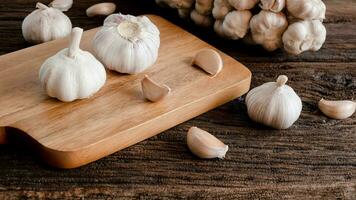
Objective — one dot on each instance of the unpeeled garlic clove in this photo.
(62, 5)
(337, 109)
(205, 145)
(101, 9)
(152, 90)
(209, 60)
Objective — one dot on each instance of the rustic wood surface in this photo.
(118, 116)
(315, 159)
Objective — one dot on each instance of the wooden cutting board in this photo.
(68, 135)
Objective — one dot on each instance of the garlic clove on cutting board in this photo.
(101, 9)
(152, 90)
(205, 145)
(72, 73)
(274, 104)
(337, 109)
(45, 24)
(209, 60)
(127, 44)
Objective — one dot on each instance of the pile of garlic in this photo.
(295, 25)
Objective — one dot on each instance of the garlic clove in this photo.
(152, 90)
(205, 145)
(209, 60)
(62, 5)
(337, 109)
(101, 9)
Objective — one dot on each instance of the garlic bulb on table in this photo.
(274, 104)
(304, 36)
(45, 24)
(72, 73)
(267, 28)
(126, 43)
(306, 9)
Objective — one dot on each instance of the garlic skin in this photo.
(236, 24)
(273, 5)
(243, 4)
(205, 145)
(337, 109)
(127, 44)
(62, 5)
(307, 9)
(274, 104)
(45, 24)
(201, 20)
(72, 73)
(221, 8)
(304, 36)
(267, 28)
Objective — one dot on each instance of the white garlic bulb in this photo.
(63, 5)
(126, 43)
(72, 73)
(236, 24)
(201, 20)
(221, 8)
(274, 104)
(204, 7)
(273, 5)
(45, 24)
(243, 4)
(306, 9)
(267, 28)
(304, 36)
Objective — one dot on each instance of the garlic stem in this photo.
(40, 5)
(75, 41)
(281, 80)
(129, 30)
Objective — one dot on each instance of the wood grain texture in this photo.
(72, 134)
(315, 159)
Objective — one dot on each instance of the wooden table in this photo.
(314, 159)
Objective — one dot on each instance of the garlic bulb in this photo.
(204, 7)
(304, 36)
(273, 5)
(236, 24)
(274, 104)
(267, 28)
(307, 9)
(201, 20)
(205, 145)
(45, 24)
(72, 73)
(243, 4)
(126, 43)
(178, 4)
(221, 8)
(62, 5)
